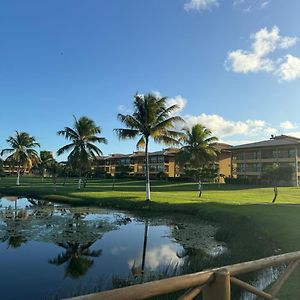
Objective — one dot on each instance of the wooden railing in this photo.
(214, 284)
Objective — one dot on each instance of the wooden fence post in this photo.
(219, 289)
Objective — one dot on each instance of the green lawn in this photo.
(279, 222)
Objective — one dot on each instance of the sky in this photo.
(232, 65)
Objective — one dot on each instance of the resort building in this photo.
(10, 169)
(160, 163)
(223, 160)
(251, 160)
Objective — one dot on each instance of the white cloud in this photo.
(251, 5)
(246, 5)
(244, 62)
(293, 133)
(178, 100)
(289, 69)
(257, 59)
(223, 128)
(264, 4)
(287, 125)
(200, 5)
(238, 2)
(161, 255)
(233, 132)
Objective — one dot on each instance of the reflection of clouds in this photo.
(158, 256)
(116, 250)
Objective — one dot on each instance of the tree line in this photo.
(152, 119)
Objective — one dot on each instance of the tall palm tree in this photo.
(198, 148)
(151, 118)
(83, 136)
(22, 152)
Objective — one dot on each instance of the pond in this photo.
(50, 251)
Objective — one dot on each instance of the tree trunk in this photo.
(65, 179)
(275, 194)
(18, 175)
(147, 171)
(43, 177)
(54, 184)
(79, 180)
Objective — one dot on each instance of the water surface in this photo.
(50, 251)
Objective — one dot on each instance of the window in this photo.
(160, 159)
(291, 153)
(160, 168)
(240, 156)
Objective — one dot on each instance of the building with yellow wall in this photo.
(160, 162)
(249, 161)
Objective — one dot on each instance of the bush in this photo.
(231, 180)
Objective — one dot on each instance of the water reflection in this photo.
(76, 257)
(12, 217)
(73, 250)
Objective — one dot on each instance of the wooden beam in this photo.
(177, 283)
(191, 293)
(219, 289)
(251, 289)
(283, 278)
(263, 263)
(153, 288)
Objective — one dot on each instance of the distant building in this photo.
(223, 160)
(251, 160)
(160, 162)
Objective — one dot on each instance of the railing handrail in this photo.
(177, 283)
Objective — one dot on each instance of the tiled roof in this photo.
(282, 140)
(221, 146)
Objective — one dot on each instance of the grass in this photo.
(280, 222)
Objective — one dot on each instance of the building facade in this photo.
(250, 161)
(160, 163)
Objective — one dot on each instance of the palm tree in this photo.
(151, 118)
(198, 149)
(22, 152)
(54, 169)
(46, 158)
(82, 135)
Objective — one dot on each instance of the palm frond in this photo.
(7, 151)
(65, 148)
(141, 143)
(130, 121)
(124, 133)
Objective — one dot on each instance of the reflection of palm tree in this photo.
(16, 241)
(145, 244)
(77, 258)
(13, 218)
(136, 271)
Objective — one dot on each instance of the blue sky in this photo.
(232, 65)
